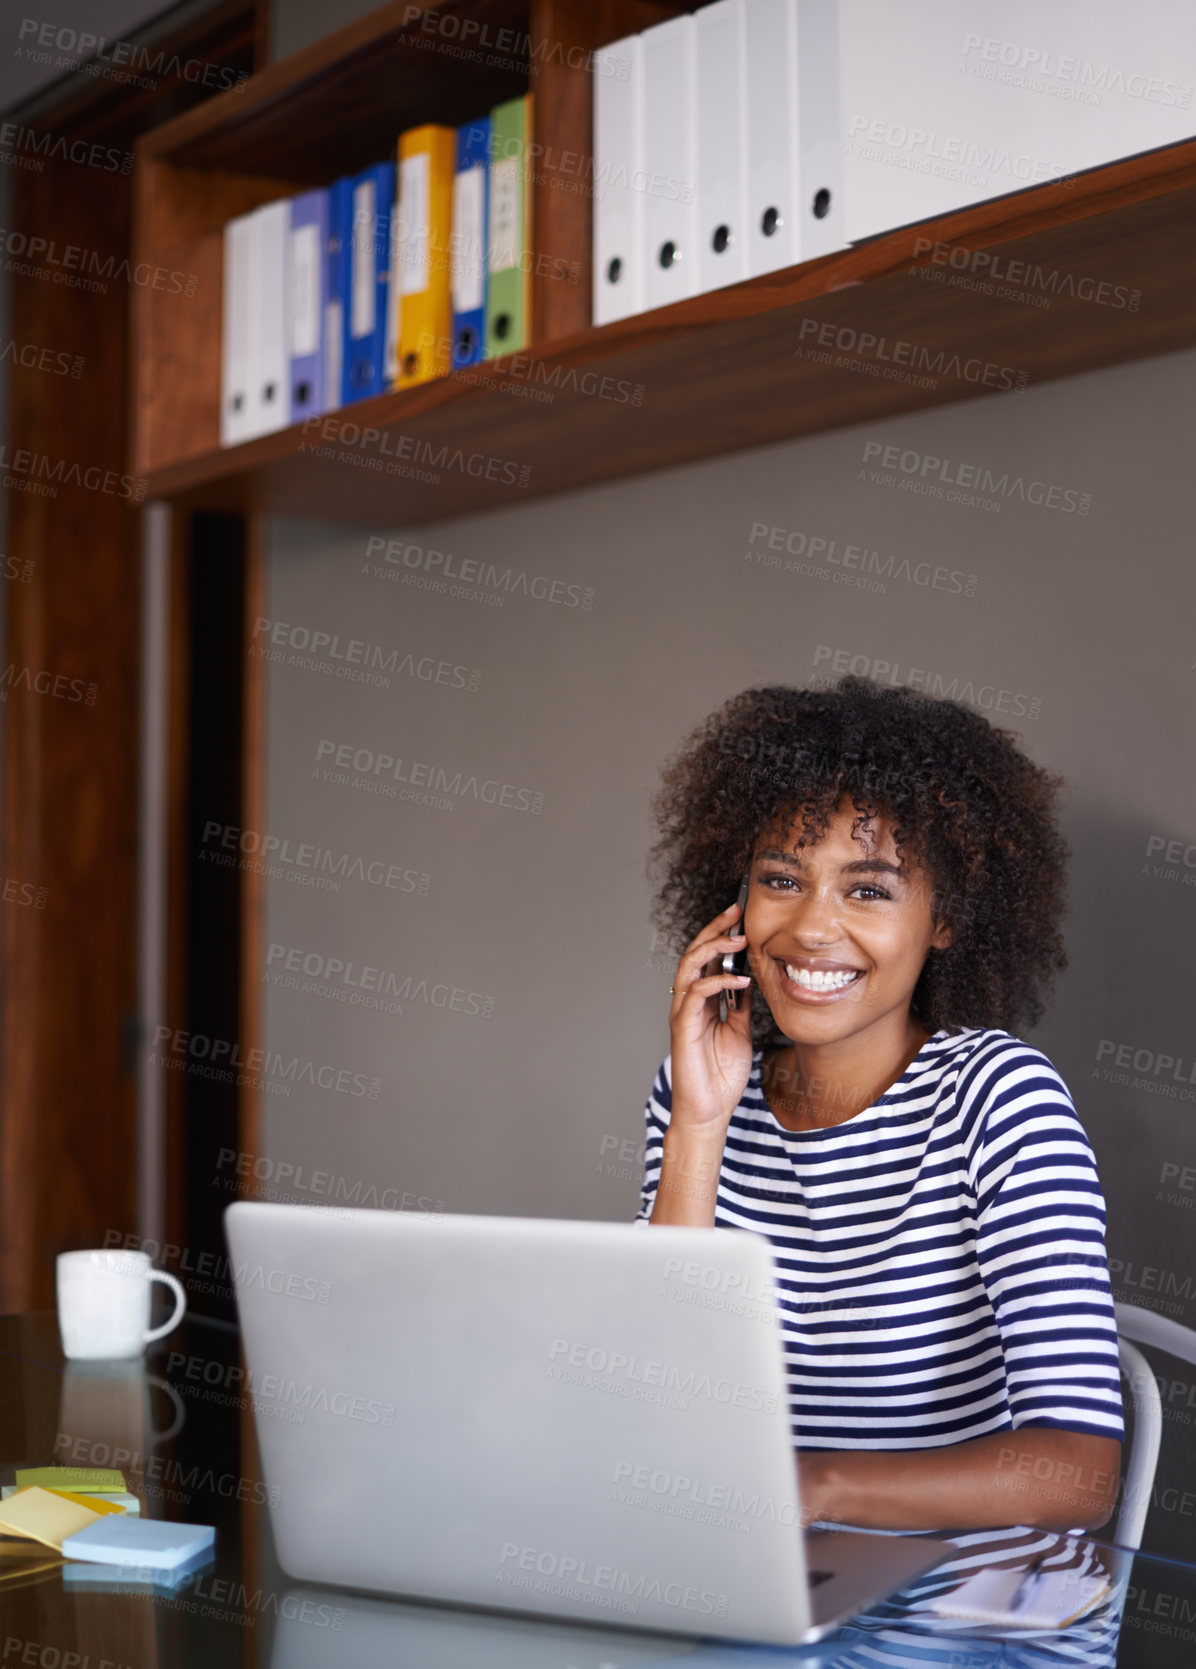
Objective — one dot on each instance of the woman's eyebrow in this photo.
(861, 866)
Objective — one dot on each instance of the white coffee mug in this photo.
(104, 1304)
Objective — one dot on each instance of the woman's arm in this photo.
(689, 1171)
(1041, 1476)
(711, 1065)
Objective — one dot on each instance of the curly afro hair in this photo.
(964, 802)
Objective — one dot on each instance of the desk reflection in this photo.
(324, 1628)
(106, 1417)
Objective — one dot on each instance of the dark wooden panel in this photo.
(68, 1173)
(67, 1138)
(726, 370)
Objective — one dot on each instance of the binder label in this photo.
(468, 256)
(362, 306)
(334, 324)
(413, 224)
(505, 191)
(305, 290)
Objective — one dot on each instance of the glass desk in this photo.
(179, 1428)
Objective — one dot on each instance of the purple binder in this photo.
(309, 299)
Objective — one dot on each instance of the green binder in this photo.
(509, 259)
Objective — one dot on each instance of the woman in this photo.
(931, 1197)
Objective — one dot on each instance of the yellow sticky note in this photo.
(44, 1517)
(92, 1502)
(79, 1479)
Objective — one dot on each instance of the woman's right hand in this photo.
(711, 1059)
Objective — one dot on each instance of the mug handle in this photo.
(180, 1305)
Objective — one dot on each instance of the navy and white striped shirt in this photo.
(940, 1257)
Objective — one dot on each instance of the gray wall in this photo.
(1086, 615)
(294, 24)
(527, 1098)
(38, 50)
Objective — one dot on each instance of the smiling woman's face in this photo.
(838, 932)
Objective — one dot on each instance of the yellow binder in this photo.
(427, 159)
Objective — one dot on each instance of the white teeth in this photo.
(817, 980)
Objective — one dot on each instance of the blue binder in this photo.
(340, 215)
(372, 195)
(471, 231)
(308, 302)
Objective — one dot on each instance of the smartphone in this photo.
(735, 962)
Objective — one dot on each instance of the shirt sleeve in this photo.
(658, 1109)
(1041, 1241)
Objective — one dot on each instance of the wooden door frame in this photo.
(68, 957)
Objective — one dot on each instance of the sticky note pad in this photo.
(94, 1503)
(125, 1579)
(130, 1503)
(149, 1542)
(45, 1517)
(82, 1480)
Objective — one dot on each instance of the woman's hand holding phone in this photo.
(711, 1064)
(712, 1058)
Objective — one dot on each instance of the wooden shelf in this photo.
(332, 109)
(1113, 250)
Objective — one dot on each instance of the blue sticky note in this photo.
(128, 1579)
(148, 1542)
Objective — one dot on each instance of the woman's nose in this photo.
(814, 917)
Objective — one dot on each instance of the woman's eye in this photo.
(787, 883)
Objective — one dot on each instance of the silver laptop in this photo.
(573, 1419)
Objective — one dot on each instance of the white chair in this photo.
(1138, 1326)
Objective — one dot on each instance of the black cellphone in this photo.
(735, 962)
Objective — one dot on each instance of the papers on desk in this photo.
(98, 1523)
(45, 1504)
(1036, 1599)
(41, 1515)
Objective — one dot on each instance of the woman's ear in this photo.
(943, 935)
